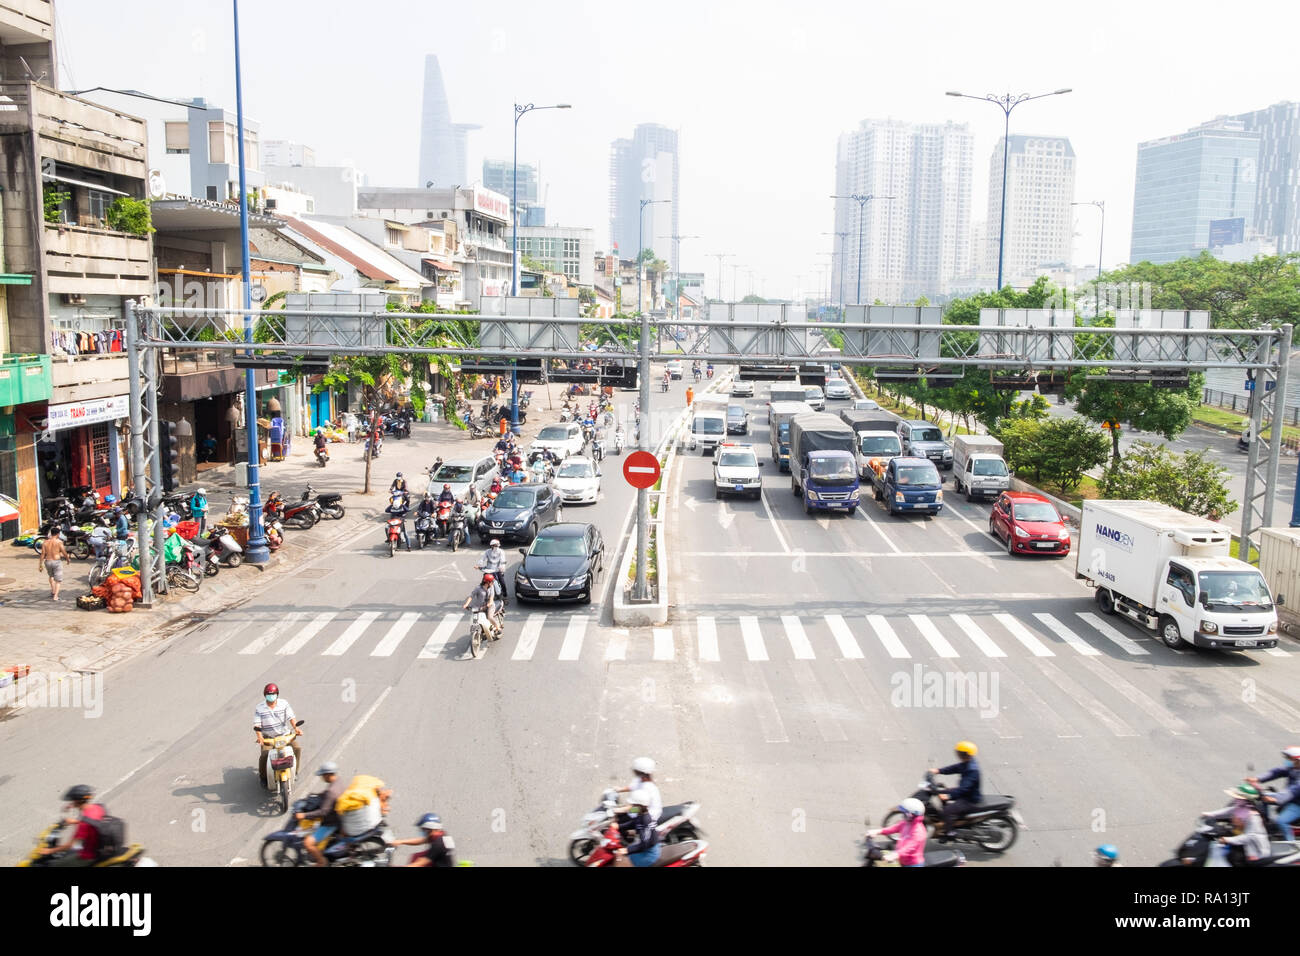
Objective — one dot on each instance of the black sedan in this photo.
(563, 564)
(737, 420)
(519, 511)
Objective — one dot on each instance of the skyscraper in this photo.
(1039, 229)
(917, 242)
(1277, 193)
(498, 176)
(644, 167)
(442, 142)
(1185, 181)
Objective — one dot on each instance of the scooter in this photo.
(663, 385)
(322, 455)
(676, 824)
(394, 531)
(366, 450)
(478, 431)
(284, 847)
(993, 825)
(281, 765)
(442, 519)
(1203, 848)
(426, 530)
(221, 548)
(618, 442)
(873, 854)
(477, 636)
(331, 505)
(457, 532)
(132, 855)
(685, 853)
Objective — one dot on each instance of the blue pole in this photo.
(258, 553)
(514, 270)
(1002, 223)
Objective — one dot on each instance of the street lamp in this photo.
(677, 258)
(720, 256)
(640, 228)
(1100, 204)
(862, 205)
(641, 586)
(843, 236)
(514, 246)
(1007, 102)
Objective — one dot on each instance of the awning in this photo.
(8, 509)
(78, 182)
(442, 265)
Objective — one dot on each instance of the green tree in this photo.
(125, 214)
(1069, 448)
(1022, 446)
(1164, 411)
(1191, 482)
(755, 299)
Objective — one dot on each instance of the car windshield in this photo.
(576, 469)
(989, 466)
(514, 498)
(559, 546)
(738, 459)
(735, 411)
(831, 468)
(813, 391)
(926, 434)
(783, 430)
(1035, 511)
(452, 473)
(836, 383)
(918, 475)
(882, 445)
(709, 426)
(1235, 588)
(865, 404)
(553, 433)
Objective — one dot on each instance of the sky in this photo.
(758, 90)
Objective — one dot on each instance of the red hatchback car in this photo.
(1029, 524)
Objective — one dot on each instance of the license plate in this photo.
(740, 487)
(548, 593)
(1248, 643)
(1045, 544)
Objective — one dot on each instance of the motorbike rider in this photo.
(399, 503)
(83, 829)
(438, 844)
(1289, 799)
(327, 820)
(1106, 855)
(480, 602)
(643, 788)
(121, 526)
(494, 562)
(446, 495)
(909, 847)
(695, 370)
(319, 442)
(503, 444)
(598, 443)
(275, 718)
(640, 837)
(1250, 834)
(960, 800)
(399, 484)
(516, 475)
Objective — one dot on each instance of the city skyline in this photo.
(765, 151)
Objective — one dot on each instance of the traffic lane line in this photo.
(834, 554)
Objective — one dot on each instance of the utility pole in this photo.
(862, 208)
(720, 256)
(641, 589)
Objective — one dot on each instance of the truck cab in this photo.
(908, 485)
(875, 449)
(827, 480)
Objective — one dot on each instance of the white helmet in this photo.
(643, 765)
(912, 807)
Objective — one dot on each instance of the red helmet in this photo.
(446, 487)
(271, 689)
(489, 579)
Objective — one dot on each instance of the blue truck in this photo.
(823, 466)
(908, 485)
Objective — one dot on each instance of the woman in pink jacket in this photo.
(910, 843)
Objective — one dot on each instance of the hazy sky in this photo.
(759, 91)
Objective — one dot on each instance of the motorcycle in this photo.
(1203, 848)
(393, 533)
(663, 385)
(284, 847)
(118, 556)
(993, 825)
(476, 636)
(330, 505)
(426, 531)
(379, 444)
(179, 504)
(322, 455)
(299, 514)
(442, 519)
(676, 825)
(221, 548)
(74, 539)
(619, 440)
(685, 853)
(873, 854)
(709, 372)
(132, 855)
(281, 765)
(274, 532)
(457, 532)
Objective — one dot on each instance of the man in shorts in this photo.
(53, 555)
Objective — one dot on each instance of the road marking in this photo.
(931, 634)
(1067, 635)
(1277, 652)
(395, 634)
(706, 636)
(861, 512)
(1086, 700)
(1108, 632)
(977, 635)
(616, 649)
(1023, 635)
(294, 644)
(769, 719)
(268, 636)
(775, 527)
(798, 639)
(843, 554)
(753, 637)
(441, 635)
(528, 636)
(663, 643)
(843, 637)
(357, 729)
(953, 510)
(573, 636)
(1166, 718)
(349, 637)
(212, 643)
(885, 633)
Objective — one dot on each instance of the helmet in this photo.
(446, 487)
(966, 747)
(79, 792)
(643, 765)
(271, 689)
(912, 807)
(489, 579)
(1107, 854)
(1292, 752)
(329, 766)
(1243, 792)
(399, 474)
(109, 499)
(496, 543)
(430, 821)
(202, 491)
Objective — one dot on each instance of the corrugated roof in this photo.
(363, 255)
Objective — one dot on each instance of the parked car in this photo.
(742, 389)
(1028, 524)
(737, 420)
(562, 564)
(519, 511)
(837, 388)
(463, 474)
(578, 480)
(564, 439)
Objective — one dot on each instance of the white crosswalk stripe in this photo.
(706, 636)
(349, 637)
(442, 634)
(977, 635)
(754, 648)
(798, 639)
(296, 643)
(843, 637)
(931, 634)
(885, 632)
(528, 637)
(1023, 635)
(663, 644)
(401, 627)
(571, 649)
(616, 649)
(272, 633)
(1067, 635)
(1108, 632)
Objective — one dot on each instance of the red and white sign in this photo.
(641, 469)
(492, 204)
(76, 414)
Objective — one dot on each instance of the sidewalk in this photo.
(57, 636)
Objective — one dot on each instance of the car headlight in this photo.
(1272, 627)
(938, 495)
(947, 453)
(1208, 627)
(813, 496)
(855, 494)
(579, 581)
(521, 579)
(1021, 532)
(1064, 534)
(898, 496)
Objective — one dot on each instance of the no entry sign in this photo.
(641, 469)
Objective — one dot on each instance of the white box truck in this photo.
(978, 467)
(708, 423)
(1170, 572)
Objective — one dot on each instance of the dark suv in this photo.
(519, 511)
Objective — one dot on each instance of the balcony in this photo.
(87, 261)
(82, 378)
(24, 378)
(191, 374)
(76, 132)
(26, 21)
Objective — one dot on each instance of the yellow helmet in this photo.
(966, 747)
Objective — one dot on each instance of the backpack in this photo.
(112, 834)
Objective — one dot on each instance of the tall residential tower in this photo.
(1039, 229)
(644, 167)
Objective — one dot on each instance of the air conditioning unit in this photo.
(270, 204)
(72, 298)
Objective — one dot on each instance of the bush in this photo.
(1060, 450)
(129, 215)
(1190, 482)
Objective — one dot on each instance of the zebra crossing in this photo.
(569, 637)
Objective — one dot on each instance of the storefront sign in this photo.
(76, 414)
(492, 204)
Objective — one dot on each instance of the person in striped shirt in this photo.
(275, 718)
